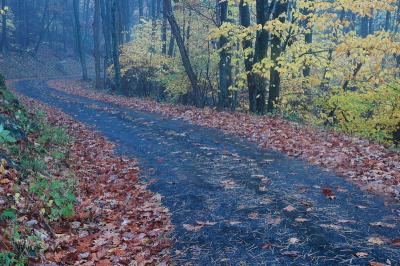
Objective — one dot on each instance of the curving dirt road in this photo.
(234, 204)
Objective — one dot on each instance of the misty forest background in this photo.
(328, 63)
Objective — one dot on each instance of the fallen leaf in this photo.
(373, 263)
(267, 246)
(376, 240)
(233, 222)
(290, 253)
(266, 201)
(206, 223)
(331, 226)
(253, 215)
(192, 228)
(396, 242)
(345, 221)
(274, 220)
(328, 193)
(4, 181)
(382, 224)
(361, 254)
(289, 208)
(301, 220)
(228, 184)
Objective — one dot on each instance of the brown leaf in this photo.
(289, 208)
(328, 193)
(4, 181)
(267, 246)
(396, 242)
(192, 228)
(361, 254)
(290, 253)
(374, 263)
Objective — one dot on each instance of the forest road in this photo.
(233, 203)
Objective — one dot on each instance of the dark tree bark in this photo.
(164, 35)
(4, 41)
(371, 29)
(276, 50)
(244, 13)
(79, 39)
(261, 51)
(387, 20)
(171, 46)
(106, 24)
(196, 93)
(96, 39)
(225, 69)
(115, 45)
(364, 30)
(45, 23)
(308, 37)
(140, 6)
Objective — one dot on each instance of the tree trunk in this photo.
(4, 41)
(387, 20)
(276, 50)
(79, 39)
(105, 18)
(364, 26)
(43, 27)
(196, 93)
(261, 51)
(244, 13)
(308, 37)
(164, 35)
(115, 45)
(371, 29)
(140, 6)
(225, 73)
(171, 45)
(96, 39)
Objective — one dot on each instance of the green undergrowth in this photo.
(37, 190)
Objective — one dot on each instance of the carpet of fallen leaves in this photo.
(371, 166)
(46, 63)
(118, 221)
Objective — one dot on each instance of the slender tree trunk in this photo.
(106, 24)
(115, 45)
(164, 35)
(276, 50)
(387, 20)
(196, 93)
(371, 29)
(244, 13)
(79, 39)
(140, 6)
(4, 41)
(225, 73)
(261, 51)
(308, 37)
(364, 26)
(106, 18)
(96, 39)
(171, 45)
(43, 27)
(26, 25)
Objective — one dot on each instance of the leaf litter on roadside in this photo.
(118, 219)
